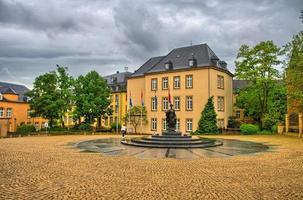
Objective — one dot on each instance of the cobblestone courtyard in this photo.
(47, 168)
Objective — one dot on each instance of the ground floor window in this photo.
(220, 123)
(164, 125)
(1, 112)
(189, 125)
(178, 125)
(153, 124)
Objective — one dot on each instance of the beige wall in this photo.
(204, 85)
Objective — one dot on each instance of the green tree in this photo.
(258, 66)
(44, 98)
(64, 83)
(208, 120)
(91, 97)
(134, 116)
(294, 71)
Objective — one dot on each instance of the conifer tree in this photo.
(208, 121)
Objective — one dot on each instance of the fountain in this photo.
(172, 138)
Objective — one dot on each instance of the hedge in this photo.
(249, 129)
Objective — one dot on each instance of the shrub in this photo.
(266, 132)
(208, 121)
(85, 127)
(26, 129)
(56, 129)
(274, 129)
(232, 122)
(114, 126)
(249, 129)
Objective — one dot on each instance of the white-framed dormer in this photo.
(1, 97)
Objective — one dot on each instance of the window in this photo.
(154, 124)
(220, 82)
(9, 112)
(1, 112)
(154, 103)
(238, 114)
(164, 125)
(154, 84)
(189, 81)
(189, 103)
(177, 103)
(220, 103)
(165, 83)
(178, 125)
(220, 123)
(111, 120)
(177, 82)
(165, 103)
(189, 125)
(1, 97)
(117, 103)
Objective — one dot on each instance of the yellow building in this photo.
(118, 85)
(191, 75)
(14, 108)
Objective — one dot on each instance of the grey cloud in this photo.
(109, 35)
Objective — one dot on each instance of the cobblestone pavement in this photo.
(47, 168)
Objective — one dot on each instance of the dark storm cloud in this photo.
(107, 36)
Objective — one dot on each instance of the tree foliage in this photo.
(50, 97)
(65, 83)
(294, 71)
(44, 97)
(258, 66)
(134, 116)
(91, 97)
(208, 121)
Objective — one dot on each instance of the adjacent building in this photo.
(14, 108)
(189, 75)
(118, 85)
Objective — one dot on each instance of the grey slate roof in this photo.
(179, 57)
(147, 66)
(11, 88)
(117, 82)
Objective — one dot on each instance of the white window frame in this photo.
(177, 82)
(165, 105)
(177, 103)
(154, 84)
(189, 103)
(220, 104)
(1, 97)
(178, 125)
(154, 104)
(189, 81)
(165, 83)
(220, 81)
(189, 125)
(238, 114)
(164, 124)
(9, 112)
(154, 124)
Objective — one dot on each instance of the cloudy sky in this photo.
(107, 36)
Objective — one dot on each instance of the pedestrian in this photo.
(123, 131)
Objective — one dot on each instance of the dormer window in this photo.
(192, 62)
(1, 97)
(113, 79)
(168, 65)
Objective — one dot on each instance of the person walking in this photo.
(123, 131)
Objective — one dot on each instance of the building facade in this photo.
(189, 76)
(118, 85)
(14, 108)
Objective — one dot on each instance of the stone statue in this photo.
(171, 119)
